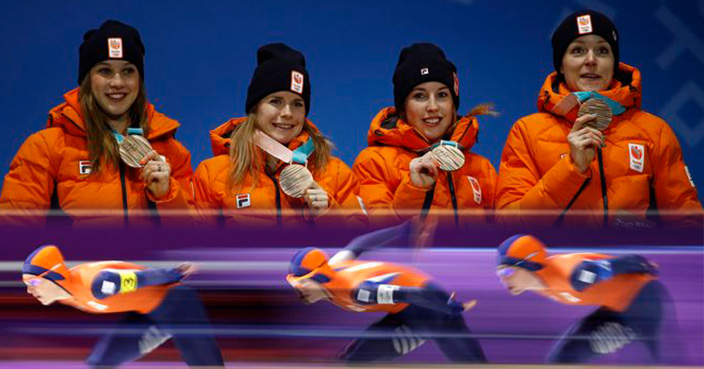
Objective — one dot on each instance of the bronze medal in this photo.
(295, 179)
(602, 111)
(134, 148)
(449, 158)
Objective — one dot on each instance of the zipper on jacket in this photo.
(561, 218)
(124, 193)
(604, 198)
(427, 203)
(454, 198)
(278, 199)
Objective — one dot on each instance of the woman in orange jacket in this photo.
(559, 168)
(419, 161)
(77, 164)
(274, 167)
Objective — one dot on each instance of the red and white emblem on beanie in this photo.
(297, 81)
(115, 47)
(584, 24)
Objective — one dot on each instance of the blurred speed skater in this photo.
(157, 307)
(418, 309)
(632, 304)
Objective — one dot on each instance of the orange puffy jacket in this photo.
(642, 167)
(264, 204)
(53, 164)
(460, 197)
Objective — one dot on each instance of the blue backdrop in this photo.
(201, 54)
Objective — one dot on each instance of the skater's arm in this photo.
(591, 272)
(429, 296)
(373, 240)
(111, 282)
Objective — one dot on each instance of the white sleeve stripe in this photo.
(385, 294)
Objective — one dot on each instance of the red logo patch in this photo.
(636, 152)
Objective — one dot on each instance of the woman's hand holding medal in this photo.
(424, 170)
(583, 140)
(156, 173)
(586, 135)
(317, 199)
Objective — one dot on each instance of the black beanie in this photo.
(112, 41)
(580, 23)
(279, 68)
(420, 63)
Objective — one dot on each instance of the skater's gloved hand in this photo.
(634, 264)
(460, 307)
(186, 269)
(652, 268)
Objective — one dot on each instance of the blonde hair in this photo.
(102, 147)
(248, 159)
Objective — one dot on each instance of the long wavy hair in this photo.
(102, 147)
(248, 159)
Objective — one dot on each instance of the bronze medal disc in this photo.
(295, 179)
(602, 111)
(133, 149)
(449, 158)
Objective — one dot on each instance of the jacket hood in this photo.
(388, 129)
(68, 116)
(625, 89)
(220, 136)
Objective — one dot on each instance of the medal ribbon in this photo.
(616, 108)
(130, 131)
(574, 99)
(281, 152)
(443, 143)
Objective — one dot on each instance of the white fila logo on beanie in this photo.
(424, 71)
(297, 82)
(115, 47)
(584, 24)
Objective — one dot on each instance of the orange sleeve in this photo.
(344, 204)
(675, 194)
(520, 186)
(206, 202)
(385, 196)
(178, 203)
(31, 181)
